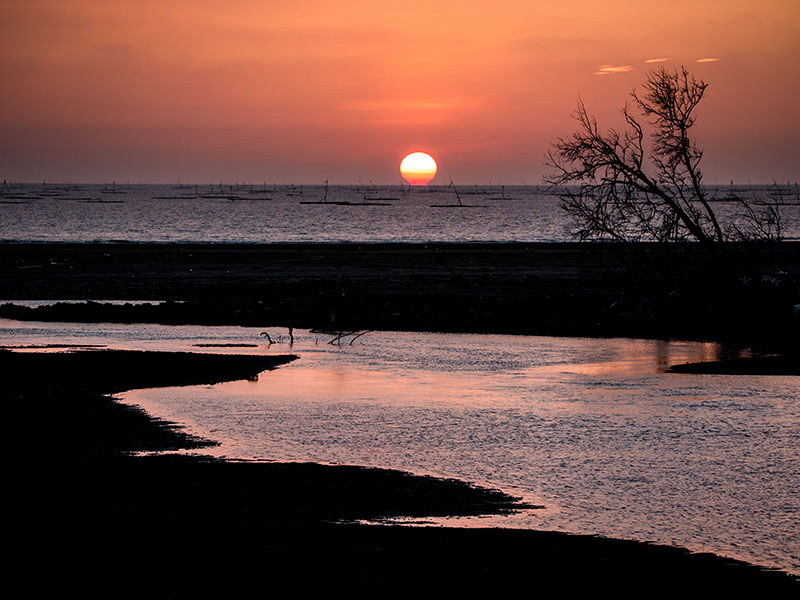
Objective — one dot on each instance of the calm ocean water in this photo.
(264, 213)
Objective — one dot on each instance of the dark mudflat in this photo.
(787, 364)
(742, 293)
(91, 520)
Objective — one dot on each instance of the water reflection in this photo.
(591, 428)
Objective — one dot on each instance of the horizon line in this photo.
(323, 183)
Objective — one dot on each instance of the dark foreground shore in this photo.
(90, 519)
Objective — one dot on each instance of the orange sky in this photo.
(289, 92)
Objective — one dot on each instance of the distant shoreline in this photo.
(353, 184)
(748, 294)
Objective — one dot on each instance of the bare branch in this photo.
(614, 189)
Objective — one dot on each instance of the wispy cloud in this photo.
(612, 69)
(705, 60)
(656, 60)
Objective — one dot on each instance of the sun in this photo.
(418, 168)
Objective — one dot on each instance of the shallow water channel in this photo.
(593, 429)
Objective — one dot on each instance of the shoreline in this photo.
(270, 518)
(749, 295)
(273, 519)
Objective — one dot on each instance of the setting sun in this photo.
(418, 168)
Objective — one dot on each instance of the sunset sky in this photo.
(282, 91)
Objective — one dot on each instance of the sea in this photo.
(240, 213)
(593, 430)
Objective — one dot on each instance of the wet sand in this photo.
(91, 519)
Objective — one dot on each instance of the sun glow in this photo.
(418, 168)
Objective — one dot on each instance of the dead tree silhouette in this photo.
(616, 187)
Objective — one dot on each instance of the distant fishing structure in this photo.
(458, 204)
(367, 201)
(324, 197)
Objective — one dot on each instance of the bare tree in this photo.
(616, 188)
(758, 219)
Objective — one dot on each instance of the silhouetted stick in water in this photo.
(355, 337)
(458, 197)
(337, 339)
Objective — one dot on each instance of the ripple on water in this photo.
(592, 429)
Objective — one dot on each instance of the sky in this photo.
(281, 91)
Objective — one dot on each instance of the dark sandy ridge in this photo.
(746, 293)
